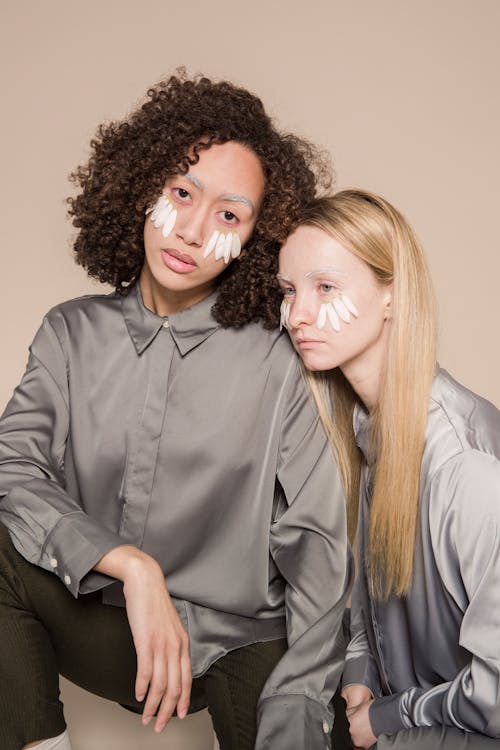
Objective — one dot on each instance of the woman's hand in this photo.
(161, 643)
(356, 694)
(360, 727)
(358, 699)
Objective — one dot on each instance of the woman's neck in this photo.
(364, 372)
(164, 302)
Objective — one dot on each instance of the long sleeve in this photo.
(47, 526)
(309, 547)
(360, 666)
(465, 521)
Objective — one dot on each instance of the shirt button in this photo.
(326, 728)
(67, 580)
(53, 562)
(166, 324)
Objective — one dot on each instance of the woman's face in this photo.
(334, 307)
(219, 198)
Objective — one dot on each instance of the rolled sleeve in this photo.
(360, 666)
(293, 721)
(309, 547)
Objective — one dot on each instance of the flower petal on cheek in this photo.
(169, 224)
(321, 319)
(341, 309)
(228, 242)
(211, 243)
(284, 312)
(161, 207)
(333, 317)
(236, 245)
(350, 305)
(219, 247)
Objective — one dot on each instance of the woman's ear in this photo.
(388, 302)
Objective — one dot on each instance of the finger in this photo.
(186, 682)
(173, 687)
(157, 689)
(144, 673)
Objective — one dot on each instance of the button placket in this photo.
(144, 443)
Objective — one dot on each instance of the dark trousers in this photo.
(45, 632)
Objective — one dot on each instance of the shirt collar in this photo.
(188, 328)
(361, 422)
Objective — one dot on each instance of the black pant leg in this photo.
(341, 739)
(232, 688)
(45, 631)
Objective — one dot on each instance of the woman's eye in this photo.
(326, 288)
(229, 217)
(287, 291)
(181, 193)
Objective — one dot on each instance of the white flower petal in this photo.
(283, 308)
(227, 247)
(236, 245)
(219, 247)
(321, 320)
(160, 204)
(350, 305)
(169, 224)
(211, 243)
(341, 309)
(162, 216)
(333, 317)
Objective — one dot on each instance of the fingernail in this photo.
(181, 713)
(146, 720)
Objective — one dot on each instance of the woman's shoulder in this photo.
(461, 423)
(92, 308)
(85, 303)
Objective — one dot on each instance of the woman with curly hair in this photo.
(421, 454)
(161, 454)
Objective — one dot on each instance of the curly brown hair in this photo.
(131, 160)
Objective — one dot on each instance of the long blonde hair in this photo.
(378, 234)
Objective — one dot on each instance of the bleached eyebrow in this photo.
(193, 180)
(327, 270)
(239, 199)
(280, 277)
(229, 197)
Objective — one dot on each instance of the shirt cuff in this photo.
(293, 722)
(72, 549)
(385, 715)
(362, 671)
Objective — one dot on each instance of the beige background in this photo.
(404, 95)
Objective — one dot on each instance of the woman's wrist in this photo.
(125, 562)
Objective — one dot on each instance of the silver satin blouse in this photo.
(433, 657)
(199, 445)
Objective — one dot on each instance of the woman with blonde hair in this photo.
(422, 463)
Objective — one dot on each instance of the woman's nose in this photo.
(190, 228)
(302, 312)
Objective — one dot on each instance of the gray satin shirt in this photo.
(433, 657)
(199, 445)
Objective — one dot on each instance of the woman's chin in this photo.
(318, 363)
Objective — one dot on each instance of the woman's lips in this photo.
(178, 262)
(307, 343)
